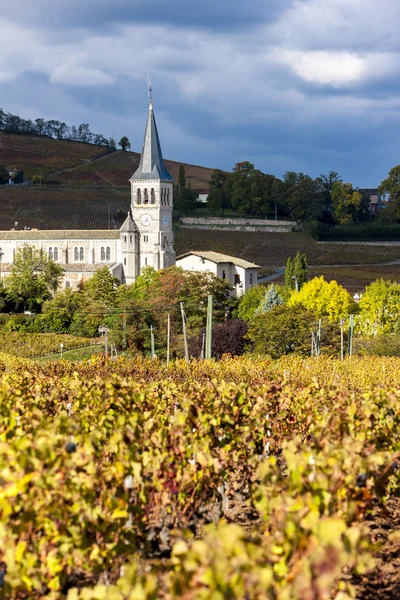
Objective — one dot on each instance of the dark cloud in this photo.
(103, 14)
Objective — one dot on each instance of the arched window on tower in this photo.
(67, 285)
(223, 275)
(81, 254)
(152, 196)
(76, 253)
(162, 196)
(139, 197)
(146, 196)
(108, 253)
(51, 253)
(165, 242)
(55, 253)
(102, 254)
(168, 197)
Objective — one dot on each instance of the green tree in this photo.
(282, 330)
(305, 196)
(124, 143)
(380, 308)
(101, 287)
(4, 175)
(218, 198)
(272, 298)
(239, 186)
(391, 186)
(34, 278)
(249, 302)
(324, 299)
(58, 313)
(347, 204)
(296, 272)
(182, 178)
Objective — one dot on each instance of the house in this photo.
(376, 198)
(240, 273)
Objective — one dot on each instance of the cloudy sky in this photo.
(303, 85)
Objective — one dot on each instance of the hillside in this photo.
(33, 154)
(79, 164)
(271, 250)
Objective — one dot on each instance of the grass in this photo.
(73, 355)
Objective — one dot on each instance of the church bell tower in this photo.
(152, 203)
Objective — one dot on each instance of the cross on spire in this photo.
(150, 88)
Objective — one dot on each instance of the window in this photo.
(81, 254)
(251, 278)
(76, 254)
(108, 253)
(223, 275)
(139, 197)
(131, 238)
(55, 253)
(168, 197)
(153, 196)
(145, 261)
(102, 254)
(124, 261)
(146, 196)
(237, 279)
(67, 285)
(145, 238)
(51, 253)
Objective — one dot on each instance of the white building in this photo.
(145, 237)
(240, 273)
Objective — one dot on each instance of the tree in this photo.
(34, 278)
(305, 196)
(239, 186)
(347, 204)
(182, 178)
(112, 144)
(281, 331)
(218, 198)
(380, 308)
(227, 338)
(101, 287)
(4, 175)
(327, 182)
(324, 299)
(391, 186)
(58, 313)
(250, 301)
(296, 272)
(124, 143)
(272, 298)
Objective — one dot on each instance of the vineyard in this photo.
(29, 345)
(245, 478)
(270, 249)
(80, 164)
(62, 208)
(117, 168)
(41, 154)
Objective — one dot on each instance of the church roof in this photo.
(56, 234)
(151, 161)
(218, 258)
(129, 224)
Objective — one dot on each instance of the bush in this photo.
(227, 338)
(381, 345)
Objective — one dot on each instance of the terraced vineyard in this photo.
(115, 169)
(40, 154)
(62, 208)
(246, 478)
(273, 249)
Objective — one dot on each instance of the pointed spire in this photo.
(151, 162)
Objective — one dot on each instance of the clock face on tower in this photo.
(146, 220)
(165, 220)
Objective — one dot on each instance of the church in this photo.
(145, 238)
